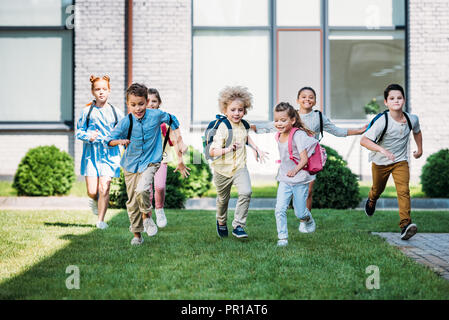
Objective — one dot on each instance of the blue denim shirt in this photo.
(146, 142)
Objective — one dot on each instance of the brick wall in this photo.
(99, 50)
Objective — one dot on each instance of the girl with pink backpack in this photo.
(296, 145)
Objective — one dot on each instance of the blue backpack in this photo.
(386, 124)
(211, 130)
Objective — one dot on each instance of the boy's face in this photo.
(137, 105)
(235, 111)
(395, 100)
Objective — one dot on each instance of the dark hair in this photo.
(306, 88)
(392, 87)
(156, 93)
(292, 113)
(138, 90)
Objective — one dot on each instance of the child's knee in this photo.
(245, 194)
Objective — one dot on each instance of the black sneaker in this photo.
(409, 231)
(370, 207)
(222, 231)
(239, 232)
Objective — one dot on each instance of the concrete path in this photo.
(429, 249)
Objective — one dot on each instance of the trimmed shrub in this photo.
(336, 186)
(44, 171)
(178, 189)
(435, 175)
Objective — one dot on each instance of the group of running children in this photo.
(142, 141)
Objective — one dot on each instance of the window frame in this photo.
(325, 31)
(54, 126)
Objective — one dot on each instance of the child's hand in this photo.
(292, 173)
(124, 142)
(236, 146)
(183, 169)
(253, 127)
(363, 129)
(417, 154)
(261, 156)
(94, 136)
(388, 154)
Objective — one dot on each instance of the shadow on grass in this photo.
(67, 225)
(187, 260)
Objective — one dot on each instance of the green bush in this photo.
(178, 189)
(44, 171)
(200, 179)
(336, 186)
(435, 175)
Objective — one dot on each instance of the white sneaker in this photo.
(149, 227)
(137, 241)
(93, 204)
(302, 227)
(282, 242)
(310, 225)
(161, 219)
(102, 225)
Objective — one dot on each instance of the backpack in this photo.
(211, 130)
(130, 130)
(91, 104)
(315, 162)
(321, 123)
(386, 124)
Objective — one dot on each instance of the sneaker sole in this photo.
(367, 214)
(239, 236)
(409, 232)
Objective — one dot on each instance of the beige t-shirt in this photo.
(229, 163)
(396, 138)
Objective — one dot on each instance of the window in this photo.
(366, 53)
(37, 87)
(298, 13)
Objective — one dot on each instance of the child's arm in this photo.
(301, 164)
(117, 135)
(81, 132)
(331, 128)
(370, 145)
(418, 139)
(264, 128)
(353, 132)
(259, 154)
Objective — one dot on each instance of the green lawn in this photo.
(187, 260)
(265, 190)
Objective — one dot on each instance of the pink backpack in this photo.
(316, 161)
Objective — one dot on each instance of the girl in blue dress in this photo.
(99, 163)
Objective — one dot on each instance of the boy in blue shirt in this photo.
(142, 156)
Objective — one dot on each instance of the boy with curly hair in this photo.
(230, 166)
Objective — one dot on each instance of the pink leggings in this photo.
(160, 179)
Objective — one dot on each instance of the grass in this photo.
(187, 260)
(265, 190)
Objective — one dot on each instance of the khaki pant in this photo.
(401, 177)
(138, 188)
(223, 184)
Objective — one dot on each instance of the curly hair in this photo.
(138, 90)
(229, 94)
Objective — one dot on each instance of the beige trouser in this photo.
(401, 177)
(223, 184)
(138, 188)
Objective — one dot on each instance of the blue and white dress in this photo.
(97, 159)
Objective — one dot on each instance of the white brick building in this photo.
(189, 50)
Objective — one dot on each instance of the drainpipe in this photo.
(128, 45)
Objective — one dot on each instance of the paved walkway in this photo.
(430, 249)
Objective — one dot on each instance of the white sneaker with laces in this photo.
(137, 241)
(310, 225)
(161, 219)
(282, 242)
(149, 227)
(93, 204)
(102, 225)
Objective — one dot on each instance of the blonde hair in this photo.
(229, 94)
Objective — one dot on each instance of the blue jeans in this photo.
(284, 194)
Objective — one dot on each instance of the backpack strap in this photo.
(321, 124)
(130, 128)
(290, 144)
(408, 121)
(115, 114)
(88, 114)
(167, 134)
(385, 128)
